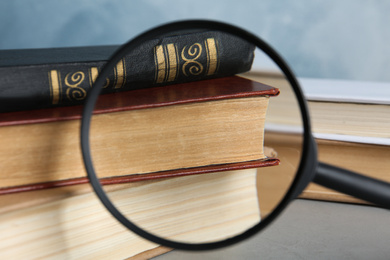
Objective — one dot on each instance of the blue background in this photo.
(344, 39)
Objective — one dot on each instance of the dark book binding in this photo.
(42, 78)
(184, 93)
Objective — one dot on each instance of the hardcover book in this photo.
(350, 133)
(183, 137)
(70, 223)
(41, 78)
(184, 126)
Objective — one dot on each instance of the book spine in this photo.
(170, 60)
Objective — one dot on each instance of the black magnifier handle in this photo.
(356, 185)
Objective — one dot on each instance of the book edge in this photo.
(146, 176)
(191, 92)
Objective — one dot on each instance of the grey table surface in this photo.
(312, 230)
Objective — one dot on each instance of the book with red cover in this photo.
(212, 90)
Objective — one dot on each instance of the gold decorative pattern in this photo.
(194, 67)
(212, 56)
(166, 62)
(55, 86)
(75, 92)
(93, 74)
(120, 74)
(159, 61)
(172, 59)
(200, 58)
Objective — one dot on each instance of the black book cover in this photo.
(41, 78)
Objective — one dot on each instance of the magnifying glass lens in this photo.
(196, 135)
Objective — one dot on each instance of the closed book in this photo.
(193, 126)
(367, 159)
(70, 223)
(333, 115)
(371, 160)
(202, 140)
(41, 78)
(350, 127)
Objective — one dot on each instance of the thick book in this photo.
(41, 78)
(367, 159)
(194, 126)
(350, 134)
(353, 119)
(70, 223)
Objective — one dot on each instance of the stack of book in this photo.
(202, 132)
(350, 123)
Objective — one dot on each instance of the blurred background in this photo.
(333, 39)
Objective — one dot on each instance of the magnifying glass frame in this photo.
(306, 169)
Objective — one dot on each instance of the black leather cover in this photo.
(41, 78)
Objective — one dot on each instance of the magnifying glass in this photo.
(190, 148)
